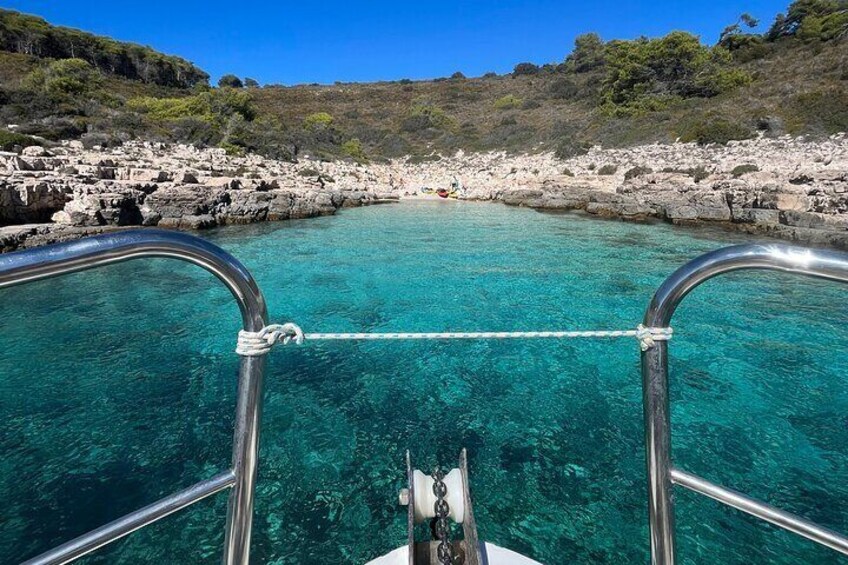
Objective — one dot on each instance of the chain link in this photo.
(440, 525)
(441, 528)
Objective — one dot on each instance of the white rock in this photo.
(35, 151)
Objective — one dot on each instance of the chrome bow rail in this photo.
(662, 475)
(55, 260)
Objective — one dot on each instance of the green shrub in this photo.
(394, 145)
(753, 51)
(508, 134)
(716, 130)
(740, 41)
(230, 81)
(811, 20)
(231, 149)
(229, 102)
(425, 115)
(192, 130)
(100, 139)
(353, 148)
(733, 38)
(162, 109)
(698, 173)
(588, 53)
(222, 117)
(770, 124)
(66, 77)
(639, 106)
(835, 26)
(637, 171)
(60, 127)
(508, 102)
(564, 89)
(8, 140)
(823, 111)
(212, 106)
(607, 170)
(273, 143)
(723, 80)
(740, 170)
(526, 69)
(567, 172)
(318, 120)
(674, 66)
(569, 147)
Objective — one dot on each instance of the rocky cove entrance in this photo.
(788, 188)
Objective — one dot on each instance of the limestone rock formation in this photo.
(790, 188)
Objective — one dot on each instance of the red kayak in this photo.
(442, 193)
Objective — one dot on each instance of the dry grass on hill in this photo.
(796, 91)
(795, 88)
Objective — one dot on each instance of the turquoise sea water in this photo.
(117, 387)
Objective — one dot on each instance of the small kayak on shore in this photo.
(440, 192)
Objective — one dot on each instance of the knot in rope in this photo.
(649, 336)
(255, 344)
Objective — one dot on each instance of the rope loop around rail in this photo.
(254, 344)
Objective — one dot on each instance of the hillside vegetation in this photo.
(60, 83)
(29, 35)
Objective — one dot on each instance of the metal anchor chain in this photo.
(440, 525)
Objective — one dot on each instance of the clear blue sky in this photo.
(302, 42)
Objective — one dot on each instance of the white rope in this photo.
(252, 344)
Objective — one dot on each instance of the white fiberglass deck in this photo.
(492, 555)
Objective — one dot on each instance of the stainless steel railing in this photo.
(61, 259)
(662, 475)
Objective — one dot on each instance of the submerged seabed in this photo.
(118, 387)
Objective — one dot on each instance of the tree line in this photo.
(30, 35)
(647, 74)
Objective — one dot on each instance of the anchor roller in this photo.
(426, 499)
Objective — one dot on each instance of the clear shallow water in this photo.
(553, 429)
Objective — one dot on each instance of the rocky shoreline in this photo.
(789, 188)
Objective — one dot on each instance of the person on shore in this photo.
(456, 186)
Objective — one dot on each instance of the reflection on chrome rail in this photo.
(661, 474)
(60, 259)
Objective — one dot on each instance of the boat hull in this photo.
(492, 555)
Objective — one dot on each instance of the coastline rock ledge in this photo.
(790, 188)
